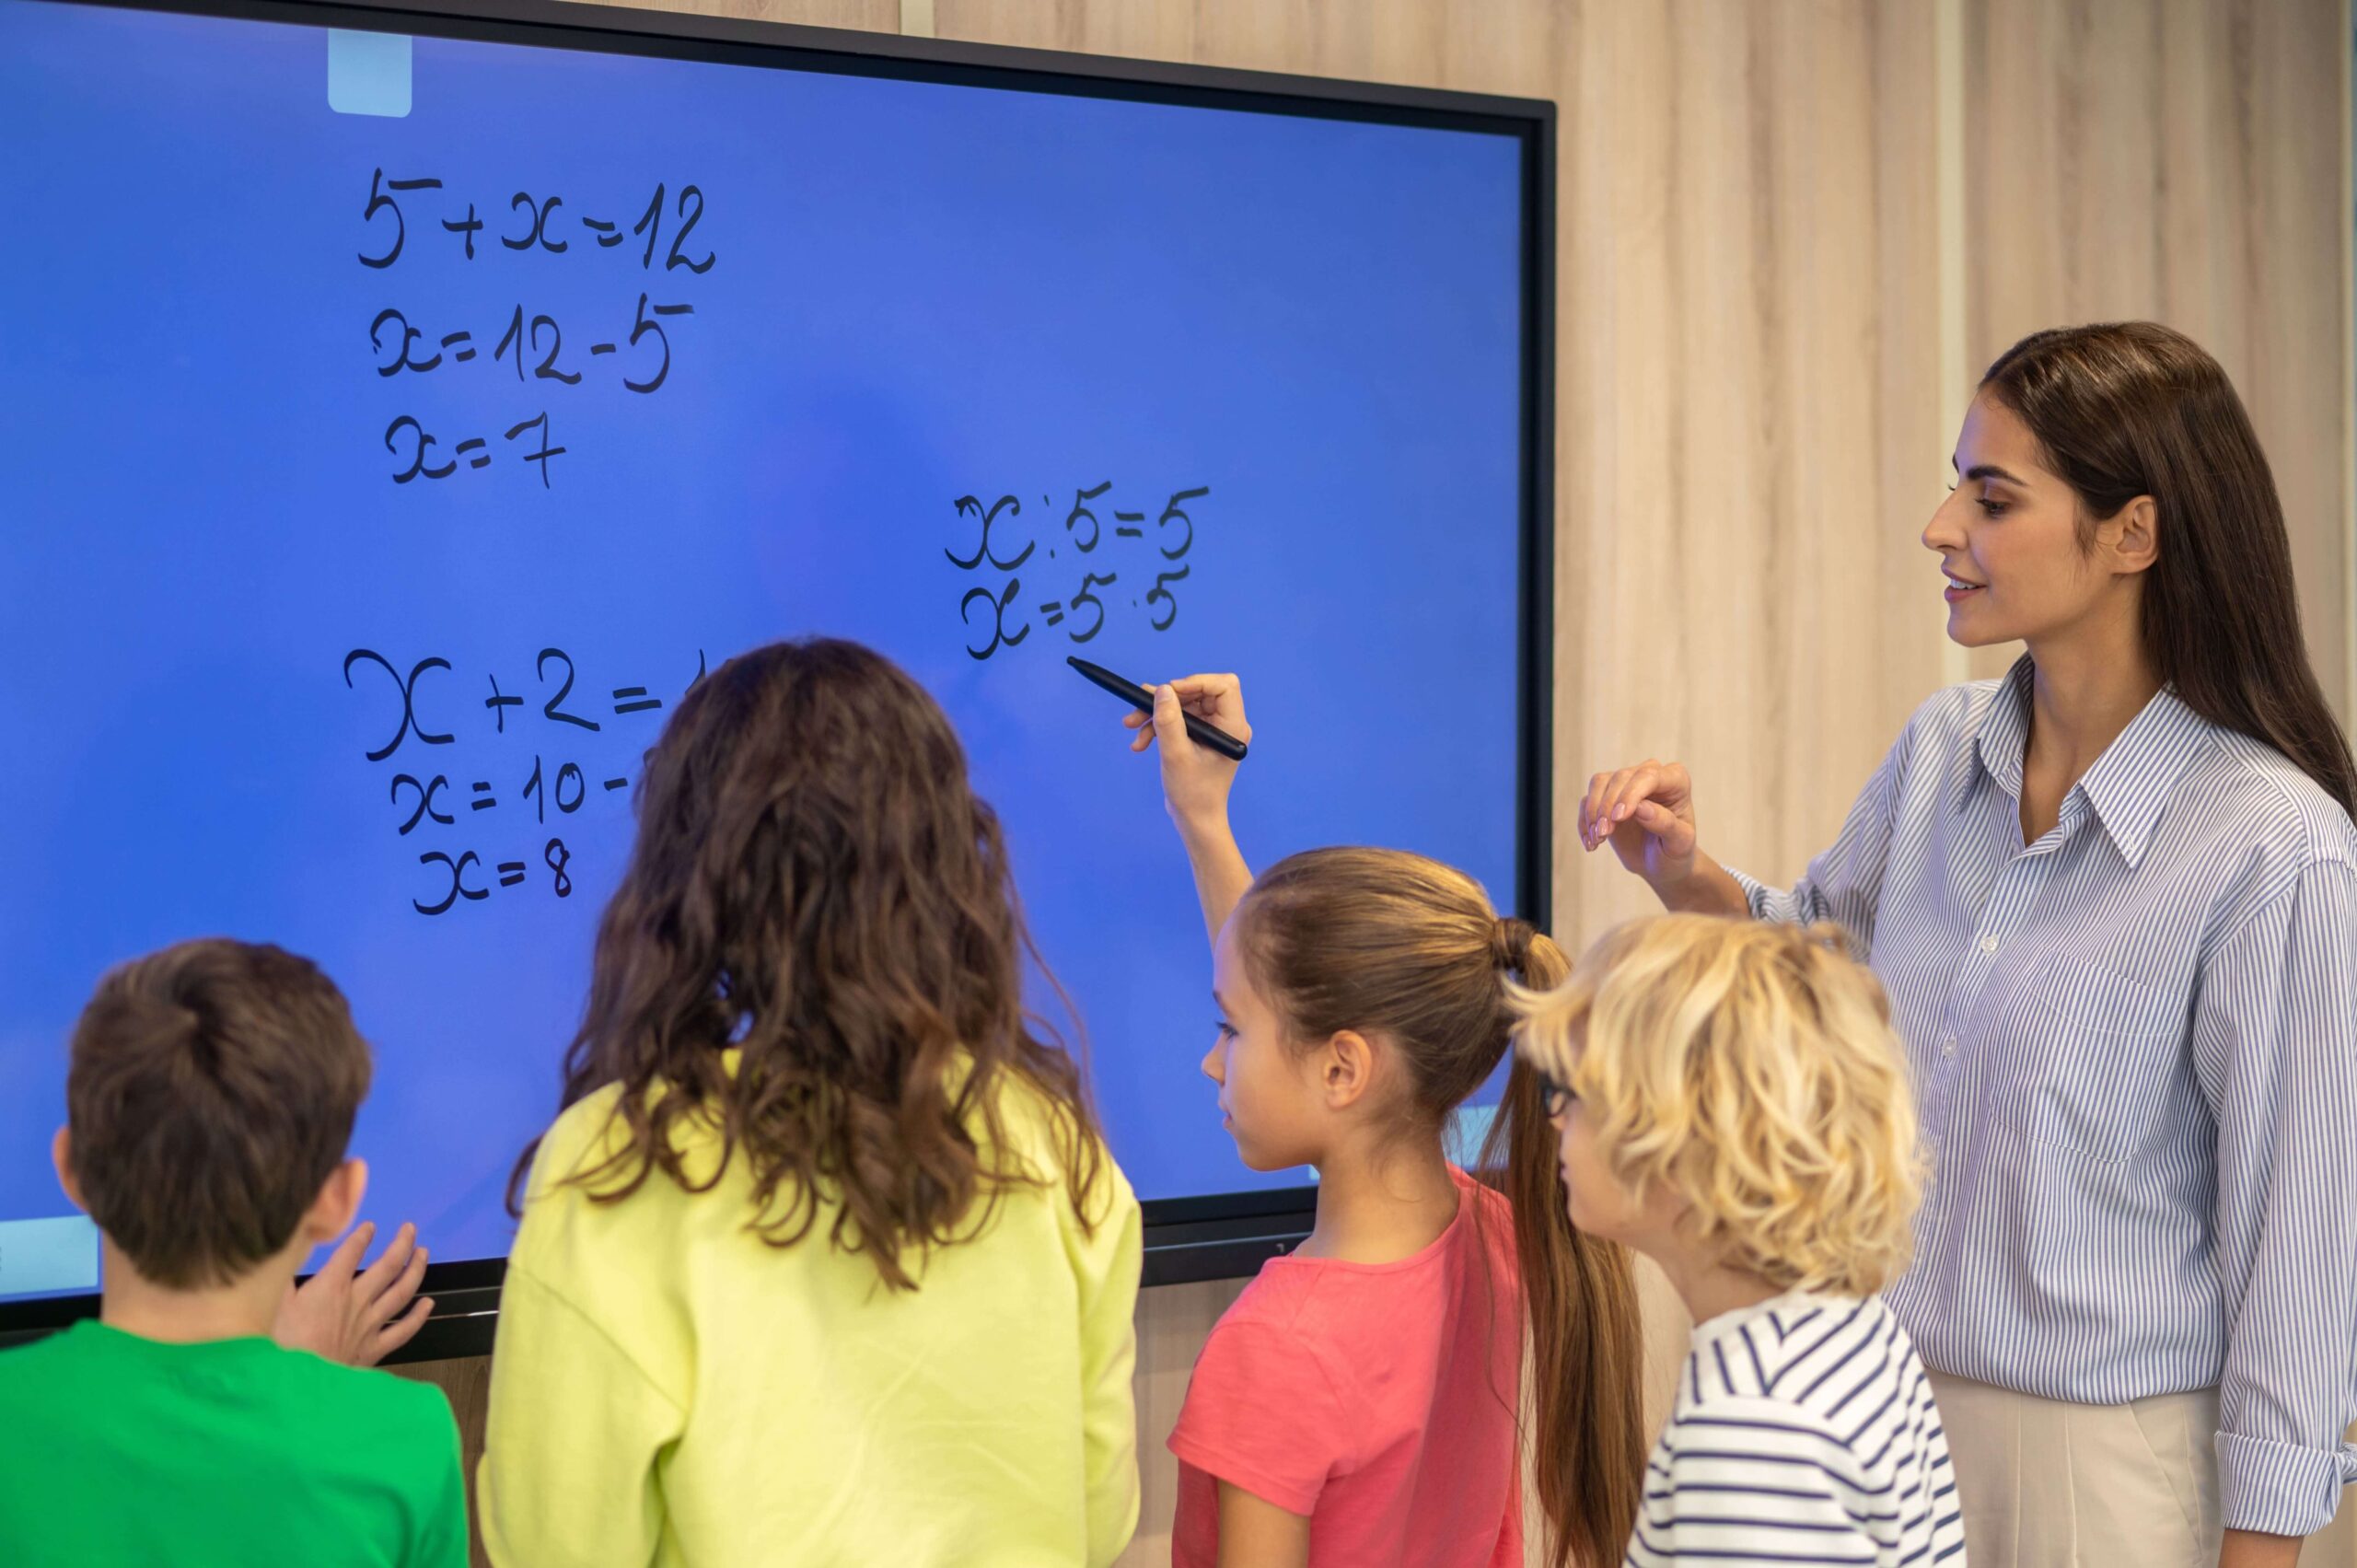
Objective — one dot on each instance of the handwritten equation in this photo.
(1143, 560)
(476, 449)
(633, 348)
(426, 707)
(535, 221)
(398, 345)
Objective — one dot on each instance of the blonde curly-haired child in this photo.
(1731, 1101)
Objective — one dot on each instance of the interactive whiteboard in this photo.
(396, 426)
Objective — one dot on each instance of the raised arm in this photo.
(1195, 783)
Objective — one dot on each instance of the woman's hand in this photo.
(353, 1316)
(1195, 779)
(1647, 813)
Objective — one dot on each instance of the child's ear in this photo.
(61, 1153)
(1345, 1069)
(331, 1212)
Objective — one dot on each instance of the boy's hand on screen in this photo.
(356, 1316)
(1195, 779)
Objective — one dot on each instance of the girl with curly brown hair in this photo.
(824, 1261)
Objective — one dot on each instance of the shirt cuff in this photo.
(2281, 1488)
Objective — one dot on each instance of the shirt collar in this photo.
(2129, 784)
(2003, 729)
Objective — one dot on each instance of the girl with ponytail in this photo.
(1360, 1402)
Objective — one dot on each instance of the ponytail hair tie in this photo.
(1510, 938)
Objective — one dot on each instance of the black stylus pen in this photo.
(1141, 699)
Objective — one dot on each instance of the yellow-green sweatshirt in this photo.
(667, 1388)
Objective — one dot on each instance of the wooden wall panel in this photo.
(466, 1383)
(2180, 160)
(1748, 449)
(868, 16)
(1173, 1321)
(1499, 46)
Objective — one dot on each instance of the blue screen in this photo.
(396, 428)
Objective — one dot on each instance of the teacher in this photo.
(2113, 897)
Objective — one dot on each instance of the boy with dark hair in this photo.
(209, 1101)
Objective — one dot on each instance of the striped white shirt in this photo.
(2134, 1043)
(1805, 1432)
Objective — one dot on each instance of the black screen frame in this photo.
(1213, 1236)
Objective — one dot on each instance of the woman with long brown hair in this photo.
(824, 1261)
(1360, 1405)
(2113, 898)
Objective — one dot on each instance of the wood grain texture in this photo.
(1750, 422)
(466, 1383)
(1173, 1322)
(865, 16)
(2180, 160)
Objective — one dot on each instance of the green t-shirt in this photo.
(120, 1450)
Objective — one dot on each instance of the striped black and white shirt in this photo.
(1805, 1432)
(2134, 1044)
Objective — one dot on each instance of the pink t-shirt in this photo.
(1376, 1399)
